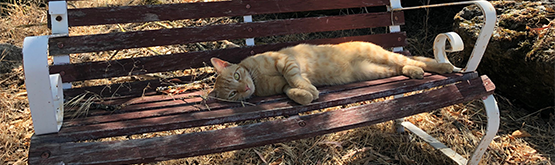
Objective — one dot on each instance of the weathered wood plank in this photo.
(162, 117)
(175, 102)
(138, 39)
(296, 127)
(129, 89)
(131, 14)
(162, 63)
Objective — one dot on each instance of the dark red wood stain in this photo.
(130, 14)
(162, 63)
(158, 113)
(296, 127)
(138, 39)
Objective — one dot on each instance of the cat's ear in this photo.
(212, 95)
(219, 64)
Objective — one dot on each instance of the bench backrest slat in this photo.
(153, 64)
(135, 14)
(356, 16)
(125, 40)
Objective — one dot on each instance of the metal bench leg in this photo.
(492, 112)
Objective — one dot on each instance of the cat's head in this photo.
(233, 82)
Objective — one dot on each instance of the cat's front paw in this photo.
(315, 93)
(300, 96)
(413, 72)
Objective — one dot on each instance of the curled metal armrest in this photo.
(485, 33)
(45, 92)
(456, 42)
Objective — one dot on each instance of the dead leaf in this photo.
(277, 162)
(520, 134)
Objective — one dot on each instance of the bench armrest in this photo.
(44, 90)
(457, 45)
(490, 18)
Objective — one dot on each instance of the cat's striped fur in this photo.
(296, 70)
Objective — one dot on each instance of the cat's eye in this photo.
(233, 93)
(236, 76)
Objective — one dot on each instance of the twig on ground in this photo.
(31, 25)
(533, 113)
(261, 157)
(6, 79)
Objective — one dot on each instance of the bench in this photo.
(136, 107)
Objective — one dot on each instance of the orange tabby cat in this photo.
(296, 70)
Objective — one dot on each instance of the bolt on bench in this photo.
(62, 139)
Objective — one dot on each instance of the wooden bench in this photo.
(140, 109)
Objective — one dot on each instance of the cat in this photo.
(296, 70)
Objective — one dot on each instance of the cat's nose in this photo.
(247, 88)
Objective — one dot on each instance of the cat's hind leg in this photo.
(369, 71)
(298, 95)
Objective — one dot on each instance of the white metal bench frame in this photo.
(46, 95)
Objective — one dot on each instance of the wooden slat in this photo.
(130, 14)
(126, 40)
(129, 89)
(162, 117)
(296, 127)
(166, 105)
(162, 63)
(155, 106)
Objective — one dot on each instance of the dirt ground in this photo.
(524, 137)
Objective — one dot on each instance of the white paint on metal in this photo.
(483, 38)
(394, 29)
(58, 97)
(58, 15)
(492, 111)
(395, 4)
(60, 27)
(435, 143)
(439, 47)
(248, 41)
(61, 59)
(43, 102)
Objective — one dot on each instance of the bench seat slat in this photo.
(154, 119)
(292, 128)
(158, 102)
(138, 39)
(162, 63)
(136, 14)
(151, 101)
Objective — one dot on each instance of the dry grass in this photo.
(524, 138)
